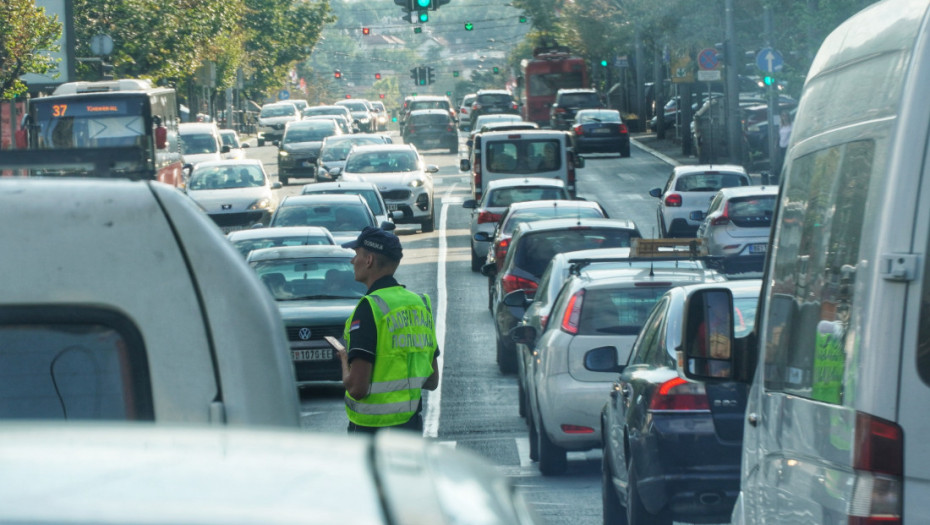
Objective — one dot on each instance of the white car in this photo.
(405, 182)
(230, 139)
(691, 188)
(500, 194)
(273, 119)
(367, 190)
(200, 141)
(336, 149)
(465, 111)
(138, 474)
(738, 221)
(236, 194)
(257, 238)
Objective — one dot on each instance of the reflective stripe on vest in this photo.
(406, 343)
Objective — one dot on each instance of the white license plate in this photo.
(312, 354)
(601, 131)
(758, 248)
(227, 229)
(393, 207)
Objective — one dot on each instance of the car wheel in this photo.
(282, 179)
(521, 402)
(553, 459)
(506, 360)
(476, 262)
(625, 151)
(261, 142)
(613, 512)
(636, 513)
(534, 437)
(428, 225)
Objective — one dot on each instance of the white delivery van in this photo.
(499, 155)
(837, 416)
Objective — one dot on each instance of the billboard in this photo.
(63, 71)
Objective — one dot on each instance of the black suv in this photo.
(431, 128)
(568, 102)
(490, 101)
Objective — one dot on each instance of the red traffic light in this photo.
(348, 96)
(377, 76)
(366, 30)
(337, 74)
(380, 95)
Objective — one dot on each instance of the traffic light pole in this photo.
(773, 103)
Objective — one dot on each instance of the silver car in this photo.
(738, 221)
(336, 149)
(142, 474)
(596, 308)
(236, 194)
(343, 215)
(257, 238)
(404, 181)
(691, 188)
(500, 194)
(367, 190)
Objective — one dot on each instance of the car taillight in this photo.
(878, 457)
(486, 216)
(450, 128)
(678, 395)
(570, 174)
(500, 250)
(512, 283)
(513, 105)
(673, 200)
(543, 319)
(724, 218)
(477, 169)
(577, 429)
(579, 130)
(560, 110)
(572, 315)
(411, 128)
(476, 106)
(623, 129)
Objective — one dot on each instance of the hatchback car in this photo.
(597, 307)
(340, 111)
(236, 194)
(427, 102)
(738, 221)
(600, 131)
(200, 141)
(343, 215)
(430, 129)
(367, 190)
(300, 148)
(671, 446)
(341, 121)
(465, 111)
(488, 101)
(272, 120)
(500, 195)
(257, 238)
(531, 249)
(691, 188)
(405, 182)
(568, 102)
(479, 123)
(230, 139)
(361, 114)
(316, 291)
(336, 148)
(381, 114)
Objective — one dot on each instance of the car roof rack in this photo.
(650, 250)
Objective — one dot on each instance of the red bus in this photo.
(130, 121)
(551, 69)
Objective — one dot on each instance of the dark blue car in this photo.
(672, 447)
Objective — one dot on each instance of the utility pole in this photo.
(734, 134)
(639, 77)
(772, 92)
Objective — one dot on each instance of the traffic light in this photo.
(421, 72)
(348, 95)
(430, 76)
(415, 75)
(603, 63)
(469, 26)
(377, 76)
(366, 31)
(455, 73)
(418, 30)
(337, 74)
(380, 95)
(496, 70)
(425, 4)
(424, 15)
(522, 19)
(768, 80)
(448, 93)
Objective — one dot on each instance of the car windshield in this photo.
(428, 104)
(621, 311)
(229, 139)
(504, 197)
(343, 218)
(197, 143)
(339, 150)
(309, 112)
(537, 249)
(549, 212)
(309, 134)
(370, 196)
(710, 181)
(432, 119)
(308, 278)
(495, 99)
(225, 177)
(381, 162)
(246, 245)
(279, 111)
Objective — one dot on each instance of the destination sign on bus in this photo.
(83, 108)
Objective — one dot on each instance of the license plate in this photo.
(758, 248)
(307, 163)
(227, 229)
(393, 207)
(312, 354)
(601, 131)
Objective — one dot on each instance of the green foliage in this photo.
(25, 32)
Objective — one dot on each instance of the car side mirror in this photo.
(464, 165)
(244, 145)
(470, 204)
(517, 299)
(696, 216)
(482, 237)
(224, 149)
(523, 334)
(579, 161)
(276, 142)
(334, 172)
(388, 226)
(469, 143)
(709, 351)
(489, 269)
(276, 185)
(656, 192)
(432, 168)
(603, 359)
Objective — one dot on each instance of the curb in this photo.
(664, 158)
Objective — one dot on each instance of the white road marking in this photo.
(523, 450)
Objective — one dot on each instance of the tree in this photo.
(26, 35)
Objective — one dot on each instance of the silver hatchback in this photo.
(738, 221)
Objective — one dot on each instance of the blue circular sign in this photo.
(708, 59)
(284, 94)
(769, 60)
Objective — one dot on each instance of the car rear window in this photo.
(495, 98)
(710, 181)
(429, 104)
(369, 195)
(620, 311)
(333, 218)
(309, 278)
(504, 197)
(580, 100)
(524, 156)
(537, 249)
(751, 211)
(550, 212)
(429, 120)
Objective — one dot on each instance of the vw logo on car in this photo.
(304, 334)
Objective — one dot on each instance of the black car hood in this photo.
(303, 147)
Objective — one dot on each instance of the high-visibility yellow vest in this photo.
(404, 358)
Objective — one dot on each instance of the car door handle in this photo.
(753, 418)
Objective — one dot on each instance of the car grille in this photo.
(316, 332)
(247, 218)
(396, 195)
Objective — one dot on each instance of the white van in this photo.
(201, 141)
(525, 153)
(837, 413)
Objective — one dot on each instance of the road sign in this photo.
(709, 75)
(708, 59)
(769, 60)
(284, 94)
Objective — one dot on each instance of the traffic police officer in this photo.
(391, 350)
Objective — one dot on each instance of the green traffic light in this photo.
(448, 93)
(496, 69)
(455, 73)
(469, 26)
(424, 16)
(417, 30)
(422, 81)
(522, 19)
(768, 81)
(423, 3)
(603, 63)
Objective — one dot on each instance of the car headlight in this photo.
(416, 183)
(261, 204)
(282, 153)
